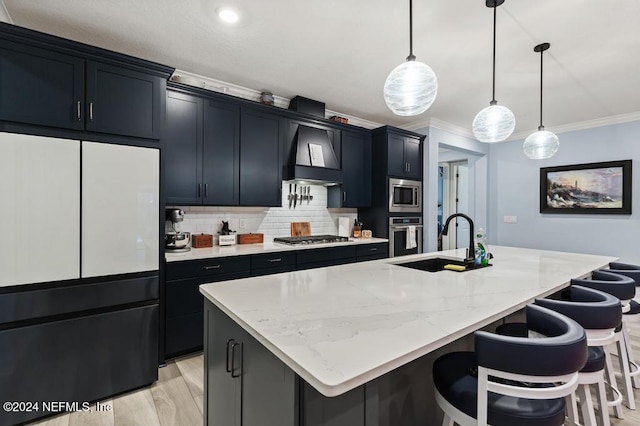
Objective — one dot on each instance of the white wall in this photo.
(514, 183)
(4, 13)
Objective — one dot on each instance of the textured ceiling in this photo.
(340, 52)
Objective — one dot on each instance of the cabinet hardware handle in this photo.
(373, 249)
(212, 267)
(227, 366)
(233, 359)
(275, 260)
(206, 187)
(91, 111)
(199, 190)
(344, 196)
(409, 167)
(78, 110)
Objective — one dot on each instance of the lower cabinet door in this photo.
(77, 360)
(183, 335)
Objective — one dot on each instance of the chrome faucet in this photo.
(471, 251)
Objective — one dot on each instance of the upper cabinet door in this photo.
(221, 153)
(261, 138)
(123, 102)
(40, 193)
(41, 87)
(356, 169)
(396, 163)
(413, 158)
(181, 150)
(120, 209)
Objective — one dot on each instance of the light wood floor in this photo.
(177, 398)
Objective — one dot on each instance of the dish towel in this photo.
(411, 237)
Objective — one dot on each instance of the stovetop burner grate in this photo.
(311, 239)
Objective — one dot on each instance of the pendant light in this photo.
(411, 87)
(494, 123)
(541, 144)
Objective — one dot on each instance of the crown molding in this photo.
(220, 86)
(583, 125)
(4, 13)
(439, 124)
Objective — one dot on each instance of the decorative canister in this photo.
(266, 98)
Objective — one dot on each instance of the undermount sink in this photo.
(437, 264)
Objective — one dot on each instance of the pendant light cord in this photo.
(493, 92)
(411, 57)
(541, 127)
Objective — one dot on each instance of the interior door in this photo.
(461, 194)
(120, 210)
(40, 193)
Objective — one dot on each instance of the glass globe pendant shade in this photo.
(494, 123)
(410, 88)
(540, 145)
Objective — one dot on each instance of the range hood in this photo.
(313, 158)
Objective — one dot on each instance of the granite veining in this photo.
(342, 326)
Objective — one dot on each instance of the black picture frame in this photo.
(591, 188)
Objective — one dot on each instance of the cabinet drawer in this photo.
(209, 267)
(326, 254)
(273, 260)
(81, 359)
(72, 298)
(377, 250)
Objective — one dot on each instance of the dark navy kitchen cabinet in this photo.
(261, 137)
(201, 151)
(40, 86)
(182, 149)
(221, 153)
(404, 159)
(122, 101)
(355, 190)
(54, 83)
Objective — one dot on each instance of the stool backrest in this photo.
(626, 269)
(592, 309)
(620, 286)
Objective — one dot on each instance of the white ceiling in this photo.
(340, 52)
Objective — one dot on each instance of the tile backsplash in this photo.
(273, 221)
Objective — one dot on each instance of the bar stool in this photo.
(513, 380)
(631, 271)
(623, 288)
(599, 314)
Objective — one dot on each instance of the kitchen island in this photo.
(353, 344)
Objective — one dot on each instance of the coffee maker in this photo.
(175, 241)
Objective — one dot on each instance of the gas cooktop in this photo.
(311, 239)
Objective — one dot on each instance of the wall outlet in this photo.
(511, 219)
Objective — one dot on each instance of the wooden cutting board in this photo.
(300, 229)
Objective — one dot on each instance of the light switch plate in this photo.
(511, 219)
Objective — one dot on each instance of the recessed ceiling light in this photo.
(227, 15)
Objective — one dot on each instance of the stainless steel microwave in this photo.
(405, 196)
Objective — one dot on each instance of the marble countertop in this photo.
(267, 247)
(342, 326)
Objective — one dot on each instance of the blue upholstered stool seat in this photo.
(454, 378)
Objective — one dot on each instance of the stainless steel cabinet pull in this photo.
(199, 190)
(228, 366)
(90, 111)
(79, 110)
(275, 260)
(373, 249)
(233, 359)
(409, 167)
(212, 267)
(344, 196)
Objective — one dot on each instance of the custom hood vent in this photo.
(315, 160)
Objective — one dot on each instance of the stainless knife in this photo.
(290, 196)
(308, 194)
(295, 195)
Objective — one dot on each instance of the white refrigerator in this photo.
(75, 209)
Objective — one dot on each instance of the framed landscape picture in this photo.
(594, 188)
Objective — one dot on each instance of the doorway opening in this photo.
(453, 197)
